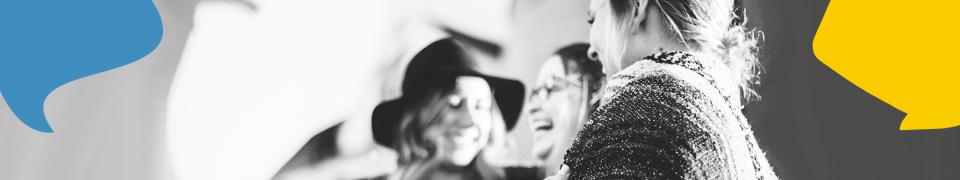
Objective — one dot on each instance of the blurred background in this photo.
(258, 79)
(813, 123)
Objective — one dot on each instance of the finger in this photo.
(561, 174)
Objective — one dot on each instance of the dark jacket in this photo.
(667, 117)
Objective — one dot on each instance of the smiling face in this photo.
(463, 130)
(555, 110)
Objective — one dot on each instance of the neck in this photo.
(449, 173)
(657, 36)
(445, 171)
(670, 46)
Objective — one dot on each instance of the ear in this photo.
(640, 8)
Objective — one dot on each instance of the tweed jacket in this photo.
(668, 116)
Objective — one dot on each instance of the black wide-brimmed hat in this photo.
(439, 64)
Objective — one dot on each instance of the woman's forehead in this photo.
(473, 86)
(553, 66)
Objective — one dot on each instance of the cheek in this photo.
(553, 107)
(434, 135)
(596, 40)
(482, 121)
(486, 129)
(571, 110)
(612, 43)
(482, 118)
(561, 108)
(434, 132)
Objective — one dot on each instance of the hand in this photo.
(561, 175)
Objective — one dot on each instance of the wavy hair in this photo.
(715, 28)
(419, 150)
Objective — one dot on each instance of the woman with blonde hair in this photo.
(679, 73)
(448, 117)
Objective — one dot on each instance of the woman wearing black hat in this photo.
(447, 116)
(439, 129)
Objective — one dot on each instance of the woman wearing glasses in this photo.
(680, 73)
(566, 91)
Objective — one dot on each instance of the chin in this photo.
(463, 157)
(541, 152)
(461, 162)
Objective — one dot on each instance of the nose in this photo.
(461, 119)
(534, 106)
(466, 122)
(593, 54)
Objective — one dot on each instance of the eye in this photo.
(553, 89)
(540, 93)
(590, 21)
(455, 101)
(483, 105)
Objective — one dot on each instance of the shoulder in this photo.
(659, 81)
(667, 97)
(654, 113)
(654, 94)
(650, 113)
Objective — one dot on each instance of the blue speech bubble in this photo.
(47, 43)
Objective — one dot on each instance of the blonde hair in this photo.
(714, 28)
(419, 149)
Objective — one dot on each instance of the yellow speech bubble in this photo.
(907, 53)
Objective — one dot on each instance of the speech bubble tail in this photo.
(27, 105)
(920, 121)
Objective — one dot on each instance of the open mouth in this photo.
(464, 137)
(542, 124)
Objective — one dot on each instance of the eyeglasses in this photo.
(555, 84)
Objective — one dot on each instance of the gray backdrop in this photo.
(817, 125)
(812, 123)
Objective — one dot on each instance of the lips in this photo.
(541, 124)
(468, 136)
(543, 127)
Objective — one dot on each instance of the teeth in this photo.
(466, 137)
(541, 124)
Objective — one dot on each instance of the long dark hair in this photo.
(574, 56)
